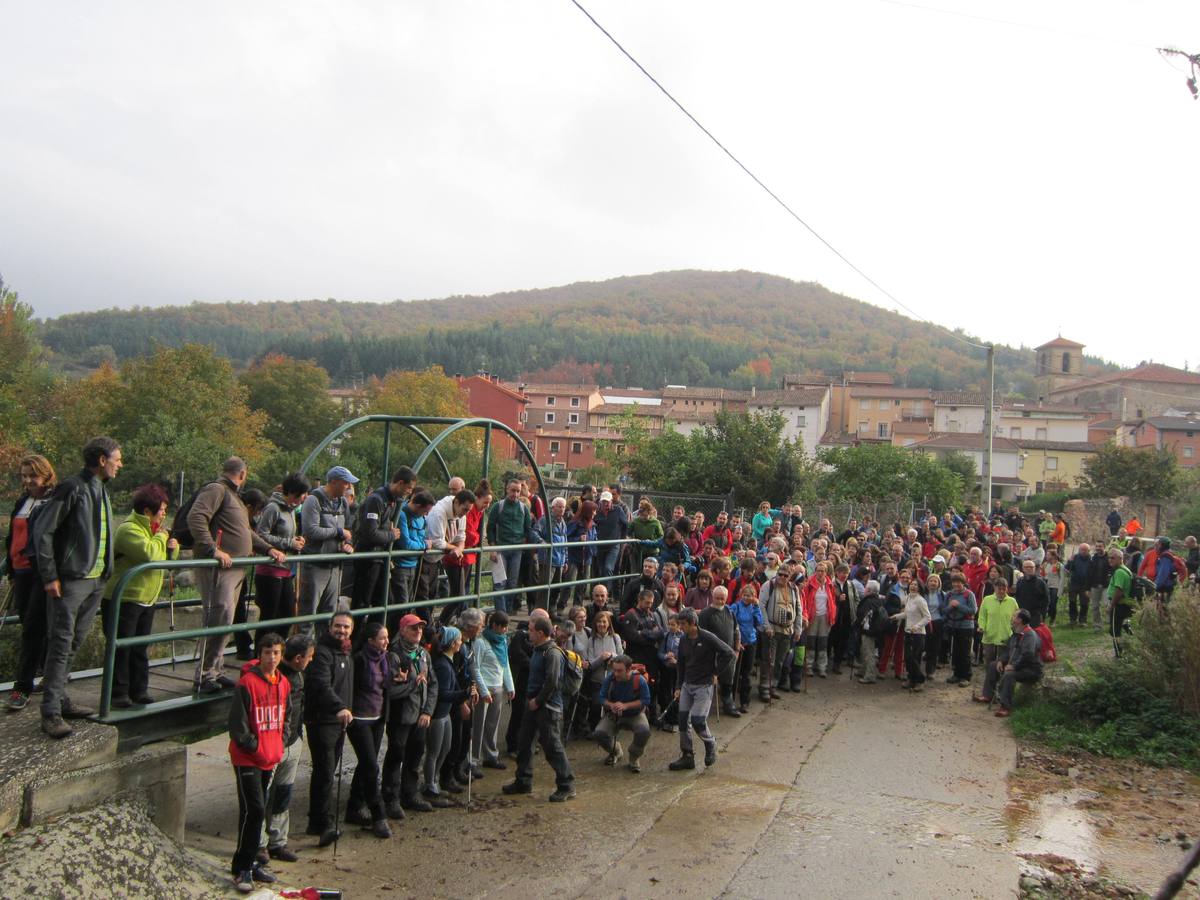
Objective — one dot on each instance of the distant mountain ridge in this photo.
(705, 328)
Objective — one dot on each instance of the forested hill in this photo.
(728, 329)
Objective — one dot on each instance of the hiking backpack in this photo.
(572, 678)
(179, 526)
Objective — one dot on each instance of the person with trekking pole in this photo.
(328, 701)
(1120, 596)
(257, 715)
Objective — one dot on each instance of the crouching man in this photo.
(624, 699)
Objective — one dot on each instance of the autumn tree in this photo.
(293, 393)
(1115, 471)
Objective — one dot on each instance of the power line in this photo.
(791, 212)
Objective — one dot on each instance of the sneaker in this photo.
(710, 754)
(143, 700)
(494, 764)
(562, 795)
(732, 712)
(670, 728)
(283, 854)
(437, 801)
(358, 815)
(243, 882)
(1002, 713)
(685, 761)
(980, 699)
(744, 708)
(394, 810)
(262, 857)
(614, 755)
(516, 787)
(917, 688)
(265, 876)
(225, 682)
(72, 710)
(208, 687)
(380, 829)
(635, 766)
(966, 682)
(17, 700)
(56, 727)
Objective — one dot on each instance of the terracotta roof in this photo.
(1151, 373)
(1174, 423)
(579, 390)
(889, 393)
(498, 385)
(703, 393)
(689, 414)
(831, 439)
(1002, 479)
(630, 392)
(1061, 446)
(558, 434)
(960, 398)
(639, 409)
(1059, 341)
(852, 378)
(961, 440)
(795, 397)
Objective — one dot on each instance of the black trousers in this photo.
(933, 647)
(914, 657)
(665, 685)
(456, 580)
(131, 672)
(29, 601)
(366, 739)
(516, 711)
(745, 662)
(960, 653)
(252, 787)
(460, 746)
(402, 763)
(325, 743)
(839, 634)
(1077, 604)
(546, 724)
(276, 599)
(241, 612)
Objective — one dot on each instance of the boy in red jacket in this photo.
(256, 719)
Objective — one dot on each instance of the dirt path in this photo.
(849, 790)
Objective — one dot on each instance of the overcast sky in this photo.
(1014, 180)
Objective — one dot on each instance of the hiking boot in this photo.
(121, 703)
(710, 754)
(205, 688)
(283, 854)
(744, 708)
(56, 727)
(358, 815)
(965, 682)
(563, 794)
(262, 857)
(981, 699)
(143, 700)
(258, 873)
(670, 727)
(394, 810)
(494, 764)
(764, 696)
(821, 673)
(866, 680)
(451, 784)
(328, 836)
(225, 682)
(685, 761)
(635, 765)
(416, 804)
(774, 694)
(17, 700)
(517, 787)
(614, 755)
(917, 688)
(380, 829)
(730, 710)
(243, 882)
(72, 710)
(1003, 713)
(953, 679)
(437, 801)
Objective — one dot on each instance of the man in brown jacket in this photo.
(221, 530)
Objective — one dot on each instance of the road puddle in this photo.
(1058, 824)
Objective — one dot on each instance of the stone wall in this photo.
(1086, 517)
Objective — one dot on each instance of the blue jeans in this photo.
(607, 561)
(512, 578)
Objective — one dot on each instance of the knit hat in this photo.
(450, 634)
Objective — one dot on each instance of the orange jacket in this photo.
(808, 598)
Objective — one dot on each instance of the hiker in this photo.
(509, 523)
(298, 652)
(372, 674)
(544, 705)
(871, 618)
(257, 714)
(1020, 661)
(1032, 594)
(914, 619)
(491, 661)
(375, 530)
(452, 701)
(749, 616)
(325, 527)
(995, 621)
(1120, 597)
(935, 598)
(701, 656)
(220, 529)
(720, 620)
(328, 701)
(72, 540)
(780, 601)
(818, 599)
(600, 647)
(140, 538)
(412, 699)
(960, 628)
(19, 563)
(624, 698)
(275, 586)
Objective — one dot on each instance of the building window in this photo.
(1066, 362)
(1014, 432)
(524, 416)
(1040, 434)
(952, 425)
(554, 446)
(1188, 452)
(864, 427)
(894, 403)
(883, 429)
(575, 401)
(549, 401)
(800, 421)
(572, 418)
(576, 447)
(864, 404)
(549, 418)
(1020, 460)
(620, 448)
(1051, 463)
(1190, 433)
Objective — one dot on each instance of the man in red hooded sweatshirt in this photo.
(256, 719)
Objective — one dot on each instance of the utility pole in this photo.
(985, 476)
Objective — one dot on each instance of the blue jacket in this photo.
(679, 554)
(412, 537)
(962, 618)
(670, 644)
(749, 618)
(581, 556)
(558, 535)
(545, 676)
(636, 688)
(938, 605)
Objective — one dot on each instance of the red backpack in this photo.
(1046, 651)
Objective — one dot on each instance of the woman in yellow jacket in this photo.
(141, 538)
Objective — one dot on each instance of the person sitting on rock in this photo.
(1021, 661)
(624, 700)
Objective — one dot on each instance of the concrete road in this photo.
(849, 791)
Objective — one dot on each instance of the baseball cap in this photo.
(342, 473)
(410, 619)
(606, 496)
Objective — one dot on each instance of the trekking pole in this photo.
(6, 603)
(716, 694)
(337, 804)
(171, 610)
(470, 778)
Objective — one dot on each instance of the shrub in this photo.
(1164, 655)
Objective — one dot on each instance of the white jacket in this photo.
(442, 527)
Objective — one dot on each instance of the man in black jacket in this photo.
(297, 654)
(1020, 661)
(649, 580)
(719, 619)
(701, 656)
(1031, 593)
(375, 529)
(643, 632)
(73, 540)
(328, 695)
(412, 697)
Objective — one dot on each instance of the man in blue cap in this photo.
(325, 526)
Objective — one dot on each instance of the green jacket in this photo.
(135, 543)
(995, 619)
(509, 522)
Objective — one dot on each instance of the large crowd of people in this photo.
(622, 623)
